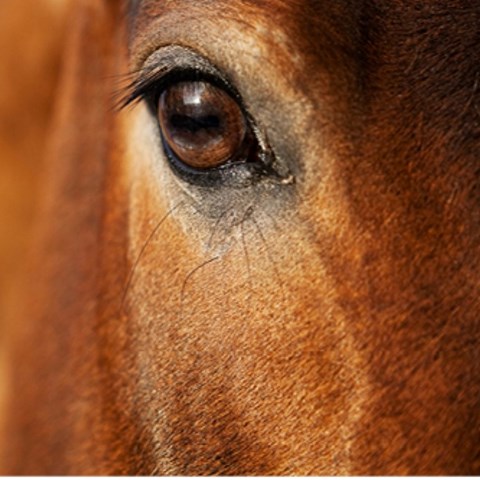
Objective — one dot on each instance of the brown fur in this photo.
(325, 327)
(28, 53)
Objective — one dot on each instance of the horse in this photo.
(258, 244)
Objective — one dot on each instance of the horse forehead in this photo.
(301, 20)
(298, 43)
(345, 38)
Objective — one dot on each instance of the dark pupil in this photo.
(194, 130)
(194, 124)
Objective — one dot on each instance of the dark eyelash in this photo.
(149, 84)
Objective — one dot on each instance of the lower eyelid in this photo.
(211, 177)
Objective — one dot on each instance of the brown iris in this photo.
(202, 124)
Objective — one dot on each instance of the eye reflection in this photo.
(203, 125)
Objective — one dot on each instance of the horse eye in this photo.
(203, 125)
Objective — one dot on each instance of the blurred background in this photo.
(31, 37)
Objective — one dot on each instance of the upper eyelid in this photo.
(164, 62)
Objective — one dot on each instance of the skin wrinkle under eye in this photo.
(149, 139)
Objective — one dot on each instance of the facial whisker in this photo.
(214, 230)
(272, 261)
(153, 233)
(248, 213)
(188, 277)
(275, 223)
